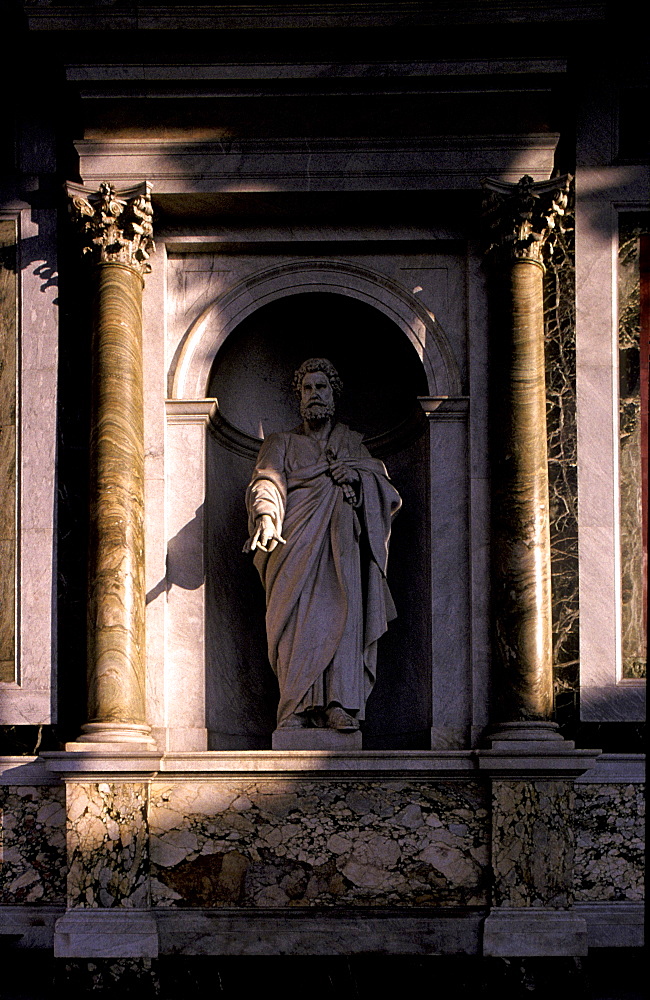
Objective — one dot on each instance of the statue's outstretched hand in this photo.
(266, 537)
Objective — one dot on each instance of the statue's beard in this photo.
(316, 413)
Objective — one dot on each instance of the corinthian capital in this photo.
(115, 227)
(521, 219)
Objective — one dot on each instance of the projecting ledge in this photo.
(353, 763)
(279, 763)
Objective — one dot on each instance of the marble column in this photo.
(116, 235)
(520, 221)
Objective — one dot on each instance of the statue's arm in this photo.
(266, 496)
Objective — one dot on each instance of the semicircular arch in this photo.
(192, 364)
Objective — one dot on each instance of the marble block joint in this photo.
(520, 219)
(116, 234)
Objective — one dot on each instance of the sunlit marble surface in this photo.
(318, 843)
(107, 844)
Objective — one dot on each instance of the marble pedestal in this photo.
(315, 739)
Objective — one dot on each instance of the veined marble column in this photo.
(520, 219)
(117, 236)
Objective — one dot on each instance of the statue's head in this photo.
(318, 386)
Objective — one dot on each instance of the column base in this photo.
(112, 734)
(525, 932)
(115, 933)
(516, 735)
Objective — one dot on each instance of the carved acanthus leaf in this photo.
(115, 227)
(521, 219)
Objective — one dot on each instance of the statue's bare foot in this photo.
(295, 722)
(338, 718)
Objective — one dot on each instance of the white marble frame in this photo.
(188, 409)
(602, 191)
(31, 700)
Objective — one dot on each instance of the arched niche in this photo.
(251, 379)
(229, 383)
(192, 364)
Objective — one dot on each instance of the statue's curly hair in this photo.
(318, 365)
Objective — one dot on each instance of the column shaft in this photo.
(520, 218)
(521, 540)
(116, 231)
(116, 599)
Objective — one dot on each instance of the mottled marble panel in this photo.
(107, 844)
(32, 845)
(532, 843)
(318, 843)
(610, 826)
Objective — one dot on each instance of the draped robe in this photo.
(327, 600)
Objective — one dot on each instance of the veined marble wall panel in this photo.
(602, 190)
(154, 369)
(318, 843)
(32, 845)
(8, 316)
(27, 695)
(610, 854)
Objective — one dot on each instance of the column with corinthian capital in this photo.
(520, 220)
(116, 232)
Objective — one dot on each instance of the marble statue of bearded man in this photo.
(320, 510)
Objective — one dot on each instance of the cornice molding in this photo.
(45, 15)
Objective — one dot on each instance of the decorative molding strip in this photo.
(17, 770)
(43, 15)
(232, 438)
(613, 924)
(85, 763)
(191, 411)
(445, 407)
(615, 768)
(380, 445)
(119, 72)
(181, 165)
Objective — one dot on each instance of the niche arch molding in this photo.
(192, 364)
